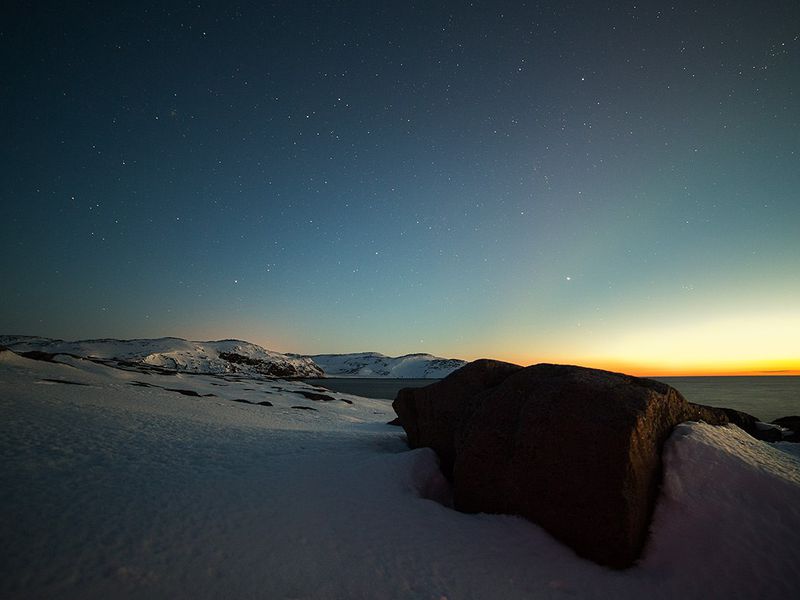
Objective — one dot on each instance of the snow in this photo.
(731, 504)
(171, 353)
(790, 448)
(114, 489)
(176, 354)
(374, 364)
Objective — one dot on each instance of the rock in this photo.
(314, 396)
(433, 414)
(321, 397)
(792, 424)
(750, 424)
(768, 432)
(64, 381)
(576, 450)
(293, 367)
(396, 422)
(721, 416)
(191, 393)
(38, 355)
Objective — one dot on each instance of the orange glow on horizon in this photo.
(780, 367)
(742, 343)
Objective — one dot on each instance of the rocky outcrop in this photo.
(272, 367)
(576, 450)
(792, 425)
(722, 416)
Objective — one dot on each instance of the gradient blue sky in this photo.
(612, 184)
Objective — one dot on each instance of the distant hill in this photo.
(236, 356)
(373, 364)
(175, 354)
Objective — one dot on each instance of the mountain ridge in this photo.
(418, 365)
(174, 354)
(235, 356)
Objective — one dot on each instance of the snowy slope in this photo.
(373, 364)
(176, 354)
(116, 483)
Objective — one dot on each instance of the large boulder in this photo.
(432, 415)
(576, 450)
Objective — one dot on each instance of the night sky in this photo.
(615, 185)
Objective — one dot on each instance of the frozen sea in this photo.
(766, 397)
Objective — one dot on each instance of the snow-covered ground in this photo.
(374, 364)
(114, 486)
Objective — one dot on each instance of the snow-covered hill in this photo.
(237, 356)
(176, 354)
(373, 364)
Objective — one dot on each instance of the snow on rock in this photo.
(373, 364)
(730, 504)
(176, 354)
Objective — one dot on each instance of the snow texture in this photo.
(373, 364)
(116, 483)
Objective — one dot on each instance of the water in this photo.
(764, 397)
(369, 388)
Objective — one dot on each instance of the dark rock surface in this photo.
(771, 434)
(576, 450)
(271, 369)
(792, 424)
(315, 396)
(64, 381)
(722, 416)
(433, 415)
(191, 393)
(320, 397)
(38, 355)
(141, 384)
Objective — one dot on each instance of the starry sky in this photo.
(608, 184)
